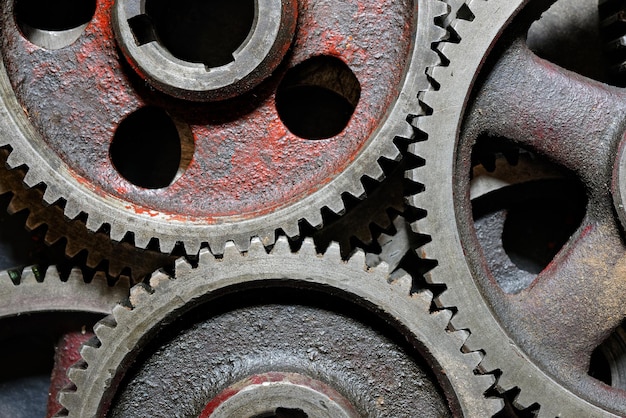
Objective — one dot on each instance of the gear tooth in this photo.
(104, 329)
(231, 251)
(242, 243)
(216, 245)
(357, 260)
(256, 248)
(5, 278)
(51, 195)
(445, 300)
(192, 247)
(525, 398)
(123, 284)
(291, 229)
(120, 313)
(337, 207)
(333, 252)
(472, 343)
(72, 248)
(28, 276)
(315, 219)
(139, 294)
(52, 274)
(402, 284)
(182, 266)
(443, 317)
(142, 240)
(459, 323)
(33, 222)
(118, 231)
(166, 245)
(158, 278)
(93, 223)
(14, 159)
(15, 206)
(75, 277)
(69, 399)
(281, 246)
(72, 209)
(89, 353)
(487, 365)
(31, 178)
(205, 257)
(308, 247)
(383, 268)
(78, 376)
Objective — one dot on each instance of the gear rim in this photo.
(449, 102)
(306, 268)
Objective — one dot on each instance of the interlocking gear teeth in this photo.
(53, 294)
(165, 295)
(98, 246)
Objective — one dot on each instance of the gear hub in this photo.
(199, 50)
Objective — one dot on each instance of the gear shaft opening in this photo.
(200, 31)
(317, 98)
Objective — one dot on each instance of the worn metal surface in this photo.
(124, 335)
(542, 337)
(249, 175)
(44, 292)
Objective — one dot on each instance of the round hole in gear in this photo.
(200, 31)
(317, 98)
(57, 15)
(146, 149)
(53, 24)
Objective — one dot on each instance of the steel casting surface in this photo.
(123, 336)
(541, 337)
(247, 174)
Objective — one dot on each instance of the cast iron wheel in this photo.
(542, 337)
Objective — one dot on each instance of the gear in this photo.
(33, 292)
(119, 256)
(124, 336)
(541, 338)
(74, 112)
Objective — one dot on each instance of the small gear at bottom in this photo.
(233, 335)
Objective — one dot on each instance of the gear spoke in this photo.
(580, 277)
(572, 120)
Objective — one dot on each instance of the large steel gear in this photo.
(540, 338)
(35, 292)
(241, 171)
(127, 337)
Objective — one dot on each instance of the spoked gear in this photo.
(36, 292)
(541, 339)
(77, 113)
(126, 337)
(118, 256)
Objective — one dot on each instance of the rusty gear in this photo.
(122, 336)
(542, 337)
(241, 172)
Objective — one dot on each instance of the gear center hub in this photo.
(204, 51)
(291, 394)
